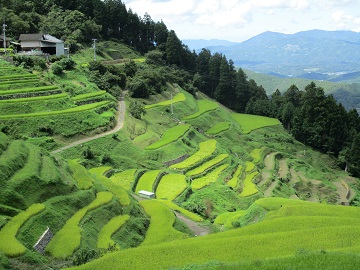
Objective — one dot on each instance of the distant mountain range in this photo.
(314, 54)
(198, 44)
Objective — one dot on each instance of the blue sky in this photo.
(238, 20)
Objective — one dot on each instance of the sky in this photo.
(239, 20)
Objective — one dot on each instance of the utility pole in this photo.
(94, 46)
(172, 109)
(4, 30)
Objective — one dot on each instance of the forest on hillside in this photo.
(313, 118)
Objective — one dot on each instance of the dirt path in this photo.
(283, 168)
(342, 191)
(269, 161)
(119, 125)
(195, 227)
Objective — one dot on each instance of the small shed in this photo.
(146, 194)
(7, 41)
(42, 42)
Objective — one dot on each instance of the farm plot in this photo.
(256, 155)
(177, 98)
(209, 178)
(171, 186)
(81, 174)
(9, 245)
(161, 224)
(181, 210)
(77, 109)
(207, 165)
(124, 179)
(218, 128)
(29, 90)
(206, 149)
(88, 95)
(104, 238)
(112, 186)
(249, 187)
(233, 182)
(147, 181)
(205, 106)
(171, 135)
(65, 241)
(250, 122)
(30, 99)
(17, 77)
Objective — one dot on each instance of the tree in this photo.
(353, 156)
(137, 109)
(242, 94)
(161, 34)
(138, 88)
(214, 73)
(173, 49)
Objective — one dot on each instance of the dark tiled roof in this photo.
(29, 37)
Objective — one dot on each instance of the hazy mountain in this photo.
(198, 44)
(315, 54)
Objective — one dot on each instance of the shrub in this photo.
(137, 109)
(138, 88)
(67, 63)
(56, 69)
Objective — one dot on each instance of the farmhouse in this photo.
(146, 194)
(44, 43)
(7, 40)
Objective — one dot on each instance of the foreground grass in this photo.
(9, 245)
(250, 122)
(301, 231)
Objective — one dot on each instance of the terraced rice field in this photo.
(177, 98)
(181, 210)
(171, 186)
(205, 106)
(228, 219)
(249, 187)
(81, 175)
(9, 245)
(65, 241)
(233, 182)
(218, 128)
(104, 238)
(206, 149)
(249, 122)
(207, 165)
(161, 224)
(171, 135)
(125, 178)
(209, 178)
(147, 181)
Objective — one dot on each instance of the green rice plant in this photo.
(249, 166)
(29, 99)
(12, 159)
(256, 155)
(249, 187)
(88, 95)
(29, 90)
(171, 135)
(67, 240)
(17, 76)
(218, 128)
(207, 165)
(27, 80)
(82, 176)
(205, 106)
(233, 182)
(181, 210)
(112, 186)
(147, 180)
(171, 186)
(9, 245)
(124, 179)
(209, 178)
(250, 122)
(104, 238)
(177, 98)
(161, 227)
(77, 109)
(206, 149)
(228, 219)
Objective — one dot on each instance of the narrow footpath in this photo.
(119, 125)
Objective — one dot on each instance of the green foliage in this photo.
(104, 238)
(171, 135)
(136, 109)
(161, 224)
(138, 88)
(170, 186)
(9, 245)
(65, 241)
(57, 69)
